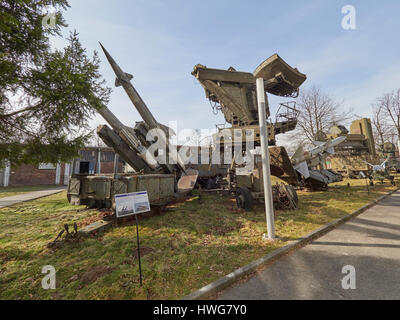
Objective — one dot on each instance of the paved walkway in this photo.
(370, 243)
(28, 196)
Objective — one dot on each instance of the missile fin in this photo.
(302, 167)
(331, 150)
(299, 152)
(128, 77)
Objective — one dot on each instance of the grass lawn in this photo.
(189, 246)
(13, 191)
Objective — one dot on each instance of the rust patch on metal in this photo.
(187, 181)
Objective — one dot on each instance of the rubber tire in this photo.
(211, 184)
(244, 199)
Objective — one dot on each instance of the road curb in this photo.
(229, 279)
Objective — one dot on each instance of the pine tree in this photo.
(47, 96)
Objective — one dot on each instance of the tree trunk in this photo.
(398, 140)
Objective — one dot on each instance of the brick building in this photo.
(92, 160)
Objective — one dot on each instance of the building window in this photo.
(46, 166)
(107, 156)
(88, 155)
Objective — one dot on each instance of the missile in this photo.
(123, 79)
(378, 167)
(300, 157)
(322, 147)
(130, 156)
(128, 137)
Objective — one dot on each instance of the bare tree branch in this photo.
(380, 124)
(390, 105)
(318, 112)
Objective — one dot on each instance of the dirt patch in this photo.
(315, 204)
(156, 210)
(143, 251)
(93, 274)
(230, 205)
(181, 201)
(221, 230)
(103, 215)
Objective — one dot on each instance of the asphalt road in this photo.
(370, 243)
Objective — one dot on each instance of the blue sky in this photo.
(159, 42)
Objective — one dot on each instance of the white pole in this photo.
(7, 170)
(67, 173)
(116, 162)
(58, 173)
(99, 161)
(269, 205)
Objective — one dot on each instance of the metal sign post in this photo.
(269, 205)
(138, 249)
(128, 204)
(366, 180)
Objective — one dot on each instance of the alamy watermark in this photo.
(349, 281)
(229, 146)
(349, 19)
(49, 280)
(49, 20)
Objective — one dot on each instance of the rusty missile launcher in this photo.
(163, 180)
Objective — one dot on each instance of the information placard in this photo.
(131, 203)
(128, 204)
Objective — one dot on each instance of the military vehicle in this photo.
(380, 173)
(388, 151)
(305, 161)
(249, 187)
(351, 155)
(163, 181)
